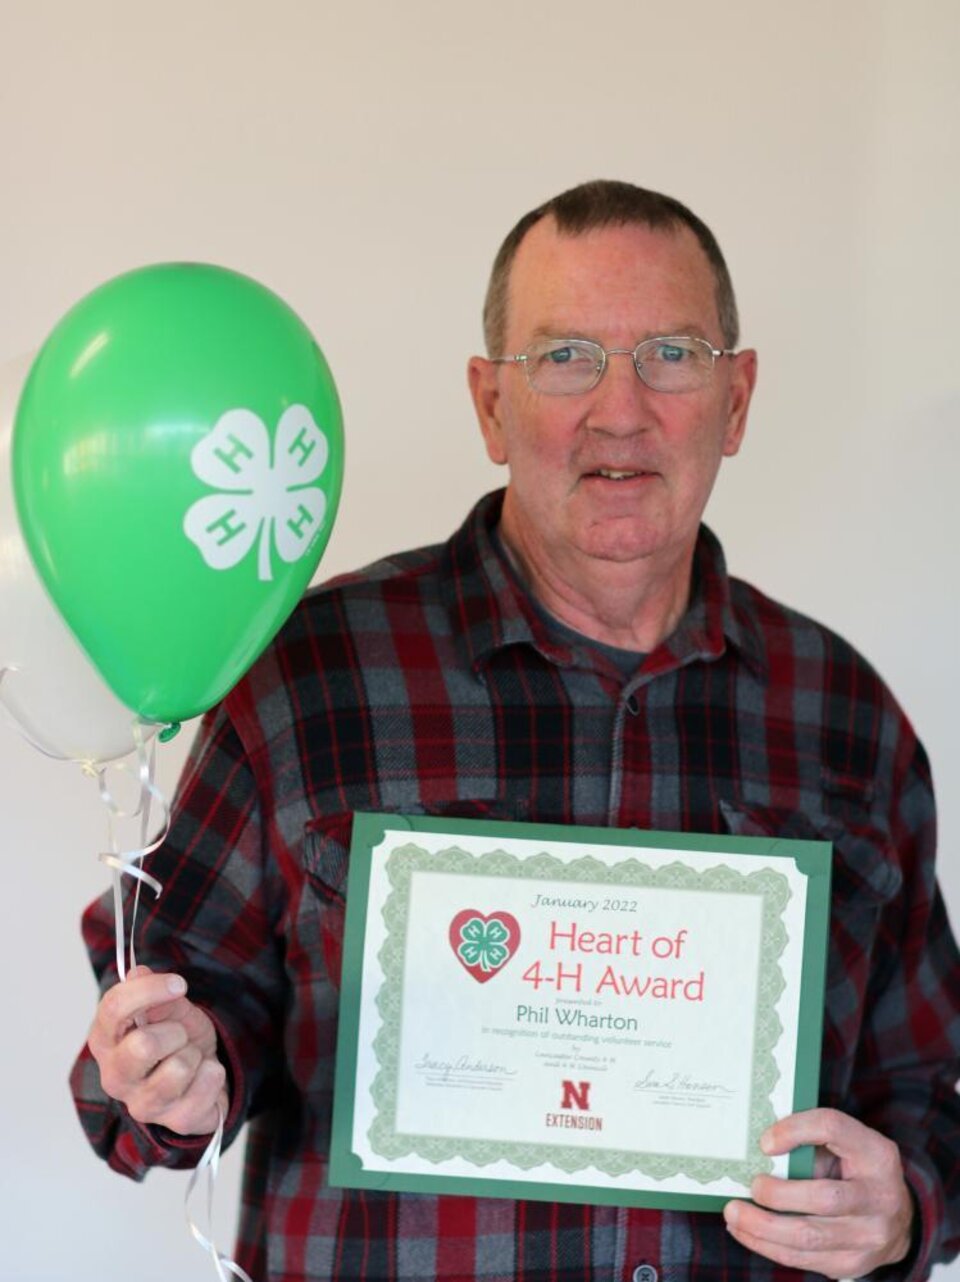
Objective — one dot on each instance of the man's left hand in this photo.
(855, 1215)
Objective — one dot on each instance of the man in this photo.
(576, 653)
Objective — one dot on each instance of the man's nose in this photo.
(622, 401)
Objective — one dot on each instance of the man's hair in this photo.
(605, 203)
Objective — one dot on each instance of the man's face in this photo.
(621, 472)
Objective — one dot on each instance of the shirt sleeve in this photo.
(908, 1061)
(215, 924)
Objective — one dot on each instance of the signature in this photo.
(465, 1072)
(680, 1084)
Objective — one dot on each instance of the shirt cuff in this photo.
(928, 1211)
(163, 1143)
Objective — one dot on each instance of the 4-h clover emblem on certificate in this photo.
(483, 944)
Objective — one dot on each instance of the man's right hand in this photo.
(157, 1053)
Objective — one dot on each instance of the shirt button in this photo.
(644, 1273)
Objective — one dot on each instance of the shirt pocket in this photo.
(326, 859)
(865, 878)
(326, 862)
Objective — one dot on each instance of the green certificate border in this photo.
(811, 858)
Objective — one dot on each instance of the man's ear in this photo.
(485, 390)
(742, 383)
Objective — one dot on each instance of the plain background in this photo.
(365, 161)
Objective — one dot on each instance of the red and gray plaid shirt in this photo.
(427, 684)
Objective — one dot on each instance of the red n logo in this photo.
(576, 1095)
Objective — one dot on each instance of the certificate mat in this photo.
(575, 1014)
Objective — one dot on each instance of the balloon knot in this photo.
(169, 732)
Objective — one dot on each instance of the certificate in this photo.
(575, 1014)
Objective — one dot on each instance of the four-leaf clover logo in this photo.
(484, 944)
(267, 490)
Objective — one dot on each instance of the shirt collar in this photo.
(491, 612)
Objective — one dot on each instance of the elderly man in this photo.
(576, 653)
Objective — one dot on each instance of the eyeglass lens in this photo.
(564, 367)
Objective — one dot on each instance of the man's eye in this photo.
(671, 353)
(560, 355)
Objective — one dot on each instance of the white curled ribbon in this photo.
(123, 862)
(209, 1165)
(129, 863)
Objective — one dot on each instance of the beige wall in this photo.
(364, 160)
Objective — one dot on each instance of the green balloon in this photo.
(177, 460)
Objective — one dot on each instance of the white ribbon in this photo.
(129, 863)
(210, 1164)
(123, 862)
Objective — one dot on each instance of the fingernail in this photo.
(177, 985)
(766, 1144)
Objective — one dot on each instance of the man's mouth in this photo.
(617, 474)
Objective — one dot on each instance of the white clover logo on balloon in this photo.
(267, 491)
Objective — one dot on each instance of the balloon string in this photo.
(209, 1164)
(123, 862)
(129, 863)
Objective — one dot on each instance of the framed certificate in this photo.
(575, 1014)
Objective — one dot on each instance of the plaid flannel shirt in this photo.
(427, 684)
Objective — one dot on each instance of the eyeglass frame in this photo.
(522, 358)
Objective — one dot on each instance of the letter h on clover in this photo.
(265, 496)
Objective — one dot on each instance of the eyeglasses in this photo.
(570, 366)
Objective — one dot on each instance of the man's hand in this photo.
(853, 1216)
(157, 1053)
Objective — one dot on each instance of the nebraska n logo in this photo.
(575, 1113)
(576, 1095)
